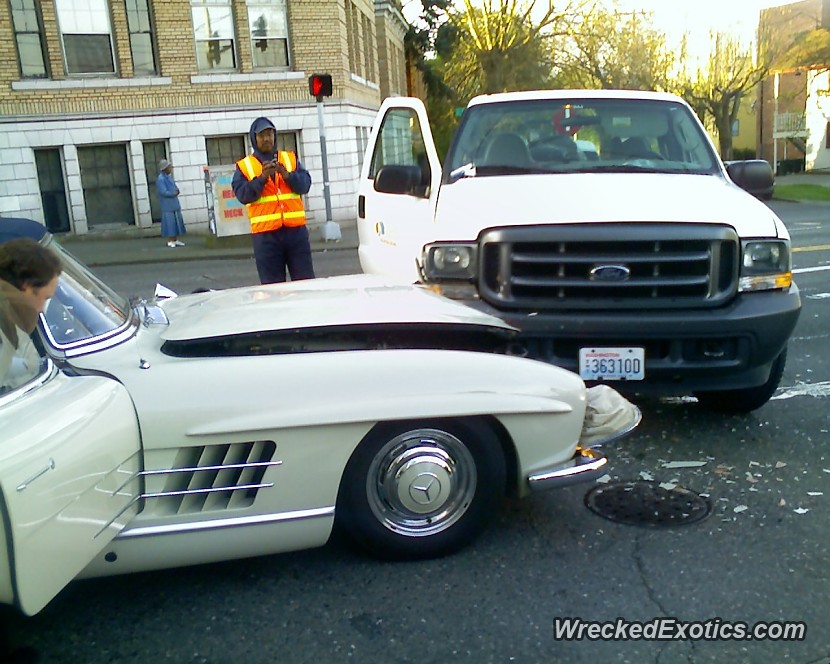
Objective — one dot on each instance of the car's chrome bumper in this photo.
(586, 465)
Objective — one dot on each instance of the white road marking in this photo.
(802, 270)
(804, 390)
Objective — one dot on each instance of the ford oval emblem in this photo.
(609, 273)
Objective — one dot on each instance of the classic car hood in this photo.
(471, 203)
(352, 300)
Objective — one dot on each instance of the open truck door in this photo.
(398, 190)
(70, 454)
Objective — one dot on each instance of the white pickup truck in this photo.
(603, 225)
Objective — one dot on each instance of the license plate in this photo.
(612, 363)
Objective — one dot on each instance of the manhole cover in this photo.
(642, 503)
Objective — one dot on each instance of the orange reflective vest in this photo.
(277, 205)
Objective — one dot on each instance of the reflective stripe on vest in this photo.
(277, 205)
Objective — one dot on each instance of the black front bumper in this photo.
(729, 347)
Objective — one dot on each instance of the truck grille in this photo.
(616, 266)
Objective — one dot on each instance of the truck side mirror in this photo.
(396, 179)
(752, 175)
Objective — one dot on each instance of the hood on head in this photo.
(257, 126)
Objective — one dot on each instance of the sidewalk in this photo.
(121, 247)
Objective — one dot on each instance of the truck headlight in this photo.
(450, 261)
(765, 265)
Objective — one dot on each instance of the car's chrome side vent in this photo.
(210, 477)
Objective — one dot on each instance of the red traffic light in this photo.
(319, 85)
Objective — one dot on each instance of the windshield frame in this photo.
(104, 317)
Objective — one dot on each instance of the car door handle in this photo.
(42, 471)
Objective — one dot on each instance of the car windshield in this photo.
(83, 307)
(579, 135)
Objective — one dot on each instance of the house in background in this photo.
(93, 94)
(793, 103)
(744, 129)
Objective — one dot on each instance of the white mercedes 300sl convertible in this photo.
(252, 421)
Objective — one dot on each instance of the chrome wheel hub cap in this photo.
(421, 482)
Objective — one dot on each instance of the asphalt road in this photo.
(761, 556)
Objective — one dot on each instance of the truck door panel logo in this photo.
(609, 273)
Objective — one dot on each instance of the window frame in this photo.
(207, 5)
(41, 35)
(68, 8)
(151, 31)
(249, 5)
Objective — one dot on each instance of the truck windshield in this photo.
(578, 135)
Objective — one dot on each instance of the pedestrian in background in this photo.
(270, 183)
(172, 224)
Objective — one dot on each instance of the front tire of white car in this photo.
(419, 490)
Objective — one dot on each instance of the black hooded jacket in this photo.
(249, 191)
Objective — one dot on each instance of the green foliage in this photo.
(612, 49)
(808, 49)
(802, 192)
(718, 87)
(743, 153)
(502, 45)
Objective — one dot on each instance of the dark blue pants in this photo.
(284, 248)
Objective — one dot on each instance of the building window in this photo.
(225, 150)
(353, 32)
(368, 48)
(154, 152)
(213, 28)
(86, 35)
(827, 135)
(268, 22)
(736, 128)
(141, 37)
(105, 180)
(52, 189)
(28, 35)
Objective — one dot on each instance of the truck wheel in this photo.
(421, 489)
(744, 401)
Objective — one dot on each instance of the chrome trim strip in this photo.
(109, 342)
(174, 471)
(586, 465)
(216, 524)
(41, 379)
(187, 492)
(49, 466)
(195, 469)
(196, 492)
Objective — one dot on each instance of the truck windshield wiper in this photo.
(468, 170)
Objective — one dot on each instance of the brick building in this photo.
(93, 93)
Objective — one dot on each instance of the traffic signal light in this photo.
(319, 85)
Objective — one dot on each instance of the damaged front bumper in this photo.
(586, 465)
(608, 417)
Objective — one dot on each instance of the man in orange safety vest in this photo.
(270, 183)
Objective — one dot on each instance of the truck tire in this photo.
(738, 402)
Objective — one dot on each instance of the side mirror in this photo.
(753, 175)
(395, 179)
